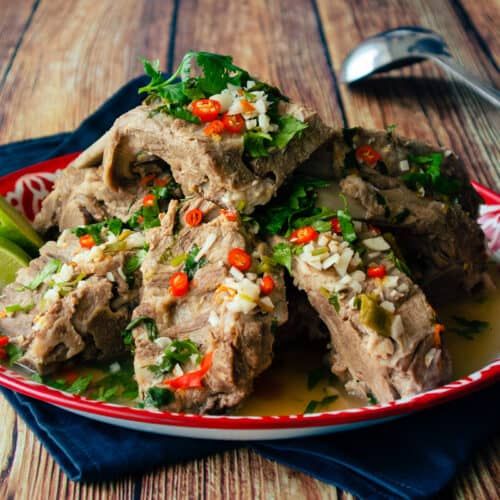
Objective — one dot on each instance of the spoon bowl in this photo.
(404, 46)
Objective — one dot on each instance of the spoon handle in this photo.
(449, 64)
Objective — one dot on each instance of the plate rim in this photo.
(9, 379)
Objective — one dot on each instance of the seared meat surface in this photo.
(223, 320)
(422, 196)
(215, 169)
(71, 302)
(383, 340)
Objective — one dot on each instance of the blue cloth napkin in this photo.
(411, 457)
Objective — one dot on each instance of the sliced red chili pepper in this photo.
(149, 200)
(179, 284)
(304, 235)
(70, 376)
(230, 216)
(336, 226)
(87, 241)
(3, 353)
(246, 106)
(367, 155)
(233, 123)
(206, 109)
(267, 285)
(147, 179)
(376, 271)
(374, 229)
(161, 182)
(4, 340)
(214, 128)
(192, 380)
(438, 330)
(193, 217)
(240, 259)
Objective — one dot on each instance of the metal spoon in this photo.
(404, 46)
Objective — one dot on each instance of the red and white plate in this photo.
(26, 188)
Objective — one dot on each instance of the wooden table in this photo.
(60, 59)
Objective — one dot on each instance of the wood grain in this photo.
(484, 22)
(14, 20)
(422, 100)
(74, 56)
(62, 59)
(274, 52)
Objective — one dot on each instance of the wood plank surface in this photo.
(422, 100)
(60, 59)
(14, 20)
(484, 23)
(74, 55)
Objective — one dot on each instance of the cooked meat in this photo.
(79, 308)
(424, 198)
(223, 318)
(382, 328)
(81, 197)
(214, 169)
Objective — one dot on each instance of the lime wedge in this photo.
(12, 258)
(16, 228)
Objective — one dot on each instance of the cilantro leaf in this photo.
(14, 353)
(282, 254)
(178, 352)
(149, 324)
(191, 265)
(314, 404)
(257, 144)
(157, 397)
(289, 127)
(134, 262)
(468, 328)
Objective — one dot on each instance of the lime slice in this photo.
(16, 228)
(12, 258)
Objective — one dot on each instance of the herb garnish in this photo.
(173, 95)
(14, 353)
(294, 207)
(178, 352)
(334, 301)
(79, 386)
(314, 404)
(134, 262)
(191, 265)
(346, 224)
(53, 266)
(468, 328)
(158, 397)
(427, 175)
(13, 308)
(149, 324)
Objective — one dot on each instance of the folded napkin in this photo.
(411, 457)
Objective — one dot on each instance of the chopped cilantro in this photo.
(14, 353)
(178, 352)
(427, 175)
(371, 398)
(346, 224)
(294, 207)
(157, 397)
(149, 324)
(314, 404)
(334, 301)
(468, 328)
(191, 265)
(282, 255)
(134, 262)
